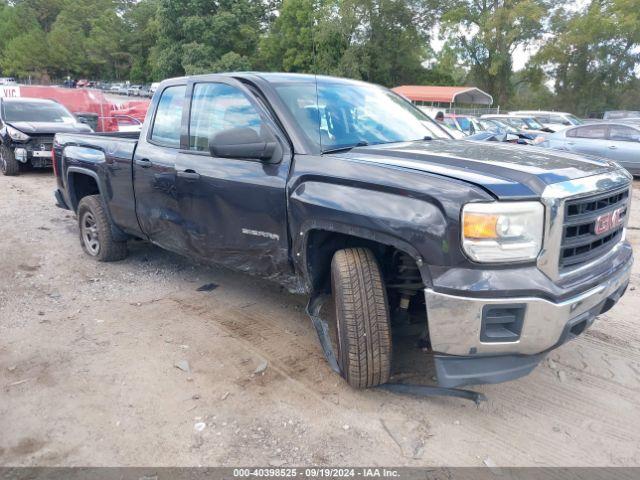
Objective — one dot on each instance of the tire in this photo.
(96, 236)
(362, 318)
(8, 163)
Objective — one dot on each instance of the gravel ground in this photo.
(88, 373)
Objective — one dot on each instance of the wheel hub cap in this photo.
(89, 230)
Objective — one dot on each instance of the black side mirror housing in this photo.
(243, 143)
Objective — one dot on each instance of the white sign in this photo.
(9, 91)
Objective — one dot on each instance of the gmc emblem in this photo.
(608, 221)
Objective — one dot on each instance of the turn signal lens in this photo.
(480, 226)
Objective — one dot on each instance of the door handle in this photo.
(613, 147)
(571, 143)
(143, 162)
(189, 174)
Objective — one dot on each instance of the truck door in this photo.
(235, 209)
(154, 172)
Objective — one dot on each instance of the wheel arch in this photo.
(319, 242)
(82, 182)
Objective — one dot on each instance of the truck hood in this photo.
(506, 170)
(32, 128)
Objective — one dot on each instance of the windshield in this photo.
(342, 115)
(494, 125)
(514, 122)
(36, 112)
(465, 124)
(532, 123)
(574, 120)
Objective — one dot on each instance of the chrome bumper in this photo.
(455, 321)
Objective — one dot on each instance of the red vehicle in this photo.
(92, 107)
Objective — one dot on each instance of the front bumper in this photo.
(463, 356)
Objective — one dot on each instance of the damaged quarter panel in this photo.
(416, 212)
(108, 162)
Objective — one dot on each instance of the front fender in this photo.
(413, 225)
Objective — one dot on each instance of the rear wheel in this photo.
(362, 318)
(8, 163)
(96, 236)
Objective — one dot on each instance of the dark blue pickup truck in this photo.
(495, 253)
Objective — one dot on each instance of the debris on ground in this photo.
(207, 287)
(183, 365)
(261, 368)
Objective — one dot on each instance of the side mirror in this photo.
(244, 143)
(566, 122)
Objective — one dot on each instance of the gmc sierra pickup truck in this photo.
(495, 254)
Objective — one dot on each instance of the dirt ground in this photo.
(88, 375)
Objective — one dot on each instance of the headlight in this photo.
(17, 134)
(502, 231)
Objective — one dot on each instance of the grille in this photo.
(580, 242)
(46, 140)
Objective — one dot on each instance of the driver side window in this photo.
(216, 107)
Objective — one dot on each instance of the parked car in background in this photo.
(119, 89)
(620, 114)
(143, 91)
(153, 88)
(523, 123)
(133, 90)
(498, 126)
(552, 120)
(614, 140)
(7, 81)
(27, 127)
(463, 123)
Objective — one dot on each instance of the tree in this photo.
(382, 41)
(196, 34)
(27, 55)
(593, 54)
(489, 32)
(142, 25)
(289, 46)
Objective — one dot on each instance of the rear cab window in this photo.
(167, 123)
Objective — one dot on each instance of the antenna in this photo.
(315, 71)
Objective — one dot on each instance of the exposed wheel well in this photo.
(80, 186)
(400, 273)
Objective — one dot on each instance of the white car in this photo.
(552, 120)
(153, 88)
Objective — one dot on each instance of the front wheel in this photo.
(8, 163)
(362, 317)
(96, 236)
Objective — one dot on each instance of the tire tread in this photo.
(110, 249)
(363, 318)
